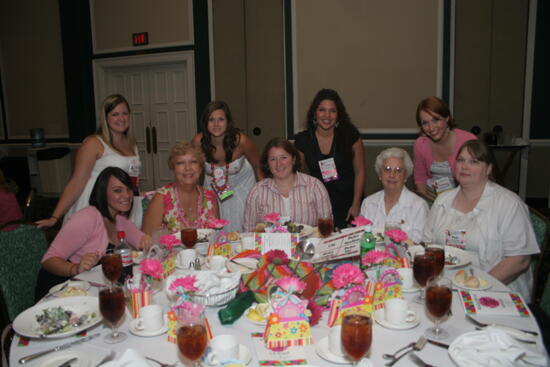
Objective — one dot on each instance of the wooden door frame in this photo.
(100, 65)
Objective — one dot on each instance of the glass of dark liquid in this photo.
(438, 254)
(356, 336)
(423, 268)
(189, 237)
(439, 297)
(111, 264)
(326, 226)
(192, 337)
(111, 305)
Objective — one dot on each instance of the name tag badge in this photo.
(443, 184)
(328, 169)
(135, 166)
(456, 238)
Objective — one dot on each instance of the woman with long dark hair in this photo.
(232, 162)
(333, 151)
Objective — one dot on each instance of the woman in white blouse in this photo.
(395, 203)
(485, 219)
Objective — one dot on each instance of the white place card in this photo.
(339, 245)
(276, 241)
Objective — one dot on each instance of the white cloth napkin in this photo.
(493, 347)
(208, 281)
(130, 358)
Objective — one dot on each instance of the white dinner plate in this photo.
(307, 230)
(80, 284)
(248, 264)
(379, 317)
(25, 323)
(462, 257)
(56, 359)
(483, 285)
(323, 351)
(163, 329)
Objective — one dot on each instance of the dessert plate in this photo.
(323, 351)
(483, 285)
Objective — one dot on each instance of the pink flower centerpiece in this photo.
(374, 257)
(396, 235)
(272, 218)
(218, 223)
(360, 221)
(347, 274)
(291, 284)
(169, 241)
(184, 288)
(152, 269)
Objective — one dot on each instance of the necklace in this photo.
(185, 219)
(216, 177)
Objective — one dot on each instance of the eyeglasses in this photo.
(396, 170)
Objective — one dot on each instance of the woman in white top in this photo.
(485, 219)
(395, 203)
(232, 162)
(114, 144)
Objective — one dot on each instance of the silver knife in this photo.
(439, 344)
(30, 357)
(68, 363)
(417, 360)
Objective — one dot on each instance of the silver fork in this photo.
(392, 356)
(162, 364)
(420, 343)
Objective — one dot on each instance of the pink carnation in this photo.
(151, 267)
(169, 241)
(373, 257)
(276, 257)
(396, 235)
(218, 223)
(279, 229)
(316, 312)
(361, 221)
(187, 284)
(272, 217)
(291, 284)
(347, 274)
(210, 195)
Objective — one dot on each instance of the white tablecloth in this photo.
(384, 340)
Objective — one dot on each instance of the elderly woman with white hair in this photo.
(395, 203)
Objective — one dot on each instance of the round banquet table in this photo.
(384, 340)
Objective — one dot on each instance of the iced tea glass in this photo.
(111, 264)
(326, 226)
(189, 237)
(439, 298)
(192, 337)
(356, 336)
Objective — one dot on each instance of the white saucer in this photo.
(256, 322)
(483, 285)
(379, 317)
(145, 333)
(56, 359)
(323, 351)
(413, 289)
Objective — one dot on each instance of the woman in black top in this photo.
(333, 151)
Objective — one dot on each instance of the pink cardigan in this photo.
(423, 157)
(85, 233)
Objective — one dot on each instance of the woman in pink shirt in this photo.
(435, 150)
(83, 240)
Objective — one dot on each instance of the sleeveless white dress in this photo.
(241, 179)
(110, 158)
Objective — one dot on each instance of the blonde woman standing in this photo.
(114, 145)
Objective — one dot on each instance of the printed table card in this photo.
(339, 246)
(493, 303)
(290, 356)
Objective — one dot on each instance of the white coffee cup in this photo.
(406, 275)
(150, 318)
(216, 262)
(222, 348)
(396, 311)
(335, 341)
(186, 257)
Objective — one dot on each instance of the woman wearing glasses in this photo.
(395, 203)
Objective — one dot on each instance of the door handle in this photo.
(154, 139)
(148, 140)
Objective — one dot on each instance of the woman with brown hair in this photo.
(113, 145)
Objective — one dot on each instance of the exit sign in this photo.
(140, 39)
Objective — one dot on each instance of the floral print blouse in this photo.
(173, 216)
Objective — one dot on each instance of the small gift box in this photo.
(139, 295)
(220, 246)
(165, 254)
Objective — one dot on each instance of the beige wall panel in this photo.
(472, 63)
(265, 69)
(169, 22)
(509, 36)
(32, 68)
(381, 56)
(229, 57)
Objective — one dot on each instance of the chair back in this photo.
(541, 262)
(20, 253)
